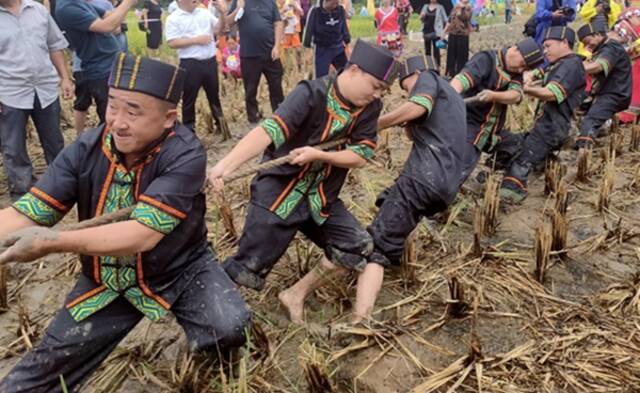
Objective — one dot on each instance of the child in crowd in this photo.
(231, 57)
(291, 12)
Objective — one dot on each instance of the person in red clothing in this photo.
(627, 32)
(231, 58)
(386, 21)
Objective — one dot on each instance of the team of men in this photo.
(158, 260)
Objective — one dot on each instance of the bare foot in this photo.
(294, 306)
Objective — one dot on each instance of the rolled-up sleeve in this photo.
(55, 38)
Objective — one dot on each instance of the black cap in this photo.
(531, 51)
(591, 28)
(560, 33)
(375, 60)
(144, 75)
(416, 64)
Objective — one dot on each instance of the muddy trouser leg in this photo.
(72, 349)
(212, 312)
(343, 239)
(398, 216)
(471, 158)
(264, 239)
(507, 149)
(536, 145)
(602, 109)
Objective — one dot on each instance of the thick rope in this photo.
(123, 214)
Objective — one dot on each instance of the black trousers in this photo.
(342, 238)
(430, 43)
(13, 142)
(252, 69)
(402, 206)
(92, 89)
(200, 74)
(602, 109)
(211, 311)
(457, 53)
(534, 149)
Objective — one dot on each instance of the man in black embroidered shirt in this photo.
(157, 260)
(560, 93)
(495, 77)
(435, 120)
(303, 195)
(611, 88)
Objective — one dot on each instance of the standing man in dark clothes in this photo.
(327, 30)
(261, 32)
(90, 32)
(495, 77)
(611, 89)
(562, 89)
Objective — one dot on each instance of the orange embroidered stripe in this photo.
(283, 194)
(146, 289)
(367, 142)
(134, 74)
(86, 296)
(163, 207)
(325, 133)
(564, 92)
(517, 181)
(283, 125)
(49, 199)
(584, 138)
(469, 78)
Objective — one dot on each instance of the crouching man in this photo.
(155, 262)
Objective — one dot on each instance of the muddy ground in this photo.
(577, 331)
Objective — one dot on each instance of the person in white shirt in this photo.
(172, 7)
(190, 30)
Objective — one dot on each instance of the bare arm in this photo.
(230, 19)
(118, 239)
(405, 113)
(57, 58)
(279, 31)
(112, 21)
(343, 159)
(592, 67)
(13, 221)
(254, 143)
(541, 93)
(508, 97)
(178, 43)
(457, 85)
(145, 19)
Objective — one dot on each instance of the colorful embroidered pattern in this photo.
(557, 91)
(362, 150)
(155, 218)
(119, 274)
(274, 131)
(465, 80)
(37, 210)
(424, 101)
(604, 63)
(340, 120)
